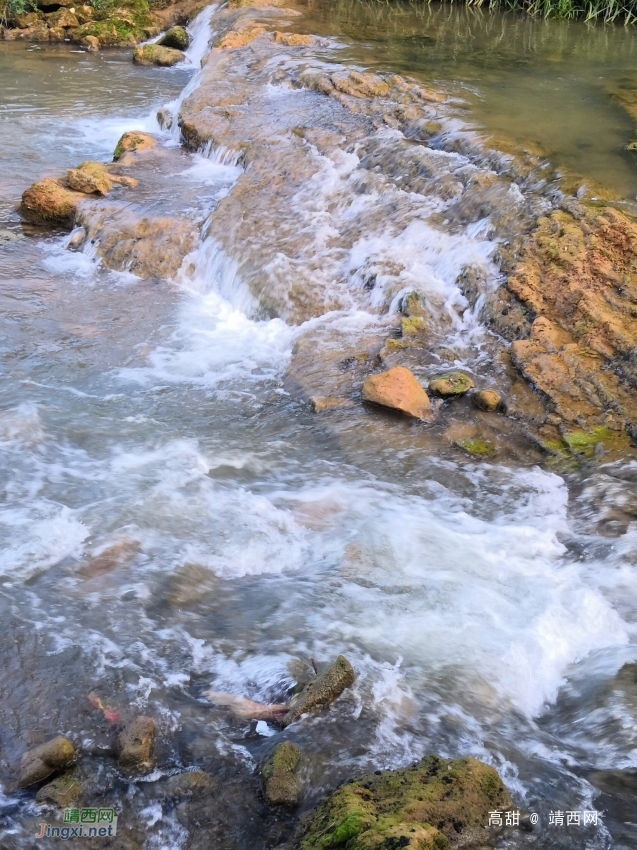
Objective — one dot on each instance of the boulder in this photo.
(279, 775)
(133, 141)
(397, 388)
(41, 762)
(92, 43)
(436, 804)
(175, 37)
(135, 744)
(487, 400)
(30, 19)
(321, 690)
(62, 791)
(48, 202)
(451, 385)
(155, 54)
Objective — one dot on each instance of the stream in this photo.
(486, 607)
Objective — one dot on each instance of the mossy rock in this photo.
(118, 23)
(412, 325)
(434, 805)
(477, 448)
(451, 385)
(175, 37)
(62, 791)
(133, 141)
(413, 304)
(279, 775)
(580, 444)
(155, 54)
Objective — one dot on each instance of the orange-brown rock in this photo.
(579, 277)
(397, 388)
(48, 202)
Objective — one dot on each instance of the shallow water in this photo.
(543, 85)
(486, 608)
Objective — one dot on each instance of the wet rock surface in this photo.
(279, 775)
(323, 689)
(135, 744)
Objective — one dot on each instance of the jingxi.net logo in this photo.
(81, 823)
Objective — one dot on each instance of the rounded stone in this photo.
(487, 400)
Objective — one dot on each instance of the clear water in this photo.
(485, 608)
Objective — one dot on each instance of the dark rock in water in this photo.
(135, 744)
(188, 784)
(435, 805)
(280, 782)
(41, 762)
(487, 400)
(321, 690)
(452, 385)
(62, 791)
(154, 54)
(175, 37)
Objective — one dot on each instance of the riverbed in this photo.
(486, 606)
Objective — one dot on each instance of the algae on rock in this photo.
(435, 805)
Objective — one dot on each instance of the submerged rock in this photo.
(397, 388)
(175, 37)
(320, 403)
(487, 400)
(44, 760)
(321, 690)
(477, 448)
(279, 774)
(190, 783)
(452, 385)
(135, 744)
(48, 202)
(155, 54)
(62, 791)
(133, 141)
(435, 805)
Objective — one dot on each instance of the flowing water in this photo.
(486, 607)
